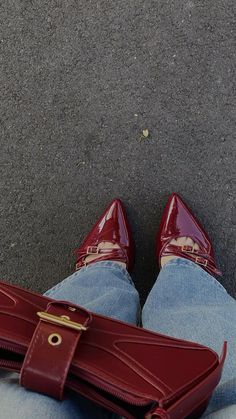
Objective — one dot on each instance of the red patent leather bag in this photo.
(58, 347)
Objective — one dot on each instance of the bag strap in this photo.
(52, 348)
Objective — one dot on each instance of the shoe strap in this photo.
(198, 256)
(112, 253)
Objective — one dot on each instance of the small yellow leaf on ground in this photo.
(145, 133)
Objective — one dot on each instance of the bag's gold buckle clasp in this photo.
(60, 320)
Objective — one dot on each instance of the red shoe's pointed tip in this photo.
(116, 203)
(175, 197)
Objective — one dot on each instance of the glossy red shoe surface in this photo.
(179, 221)
(112, 227)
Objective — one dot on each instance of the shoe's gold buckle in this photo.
(201, 261)
(60, 320)
(77, 266)
(188, 248)
(92, 250)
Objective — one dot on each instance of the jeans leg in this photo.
(186, 302)
(103, 287)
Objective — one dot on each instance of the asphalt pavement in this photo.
(79, 82)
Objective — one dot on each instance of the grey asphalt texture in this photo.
(79, 81)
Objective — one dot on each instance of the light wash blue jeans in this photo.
(185, 302)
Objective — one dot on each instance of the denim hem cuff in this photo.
(109, 264)
(179, 261)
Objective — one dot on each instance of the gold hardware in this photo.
(72, 308)
(65, 317)
(90, 250)
(60, 321)
(185, 248)
(54, 339)
(204, 263)
(77, 268)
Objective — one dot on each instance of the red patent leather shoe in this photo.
(113, 227)
(179, 221)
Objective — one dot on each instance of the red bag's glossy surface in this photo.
(129, 370)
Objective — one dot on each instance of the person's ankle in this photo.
(166, 259)
(180, 241)
(105, 245)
